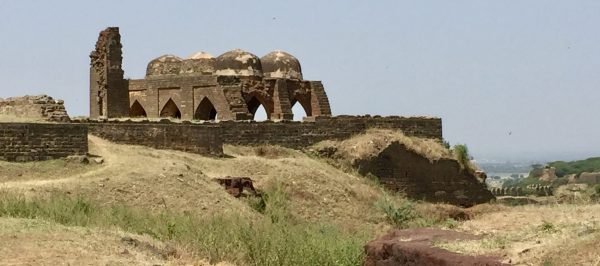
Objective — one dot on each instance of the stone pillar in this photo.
(319, 100)
(282, 108)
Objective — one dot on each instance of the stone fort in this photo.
(231, 86)
(213, 102)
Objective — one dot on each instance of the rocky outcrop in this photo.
(235, 185)
(421, 171)
(414, 247)
(34, 108)
(548, 174)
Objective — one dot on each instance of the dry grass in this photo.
(535, 235)
(34, 242)
(178, 181)
(137, 176)
(374, 140)
(44, 170)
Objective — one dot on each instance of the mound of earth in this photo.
(421, 168)
(414, 247)
(159, 180)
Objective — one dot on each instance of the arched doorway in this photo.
(258, 110)
(300, 110)
(205, 111)
(170, 110)
(136, 110)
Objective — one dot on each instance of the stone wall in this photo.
(23, 142)
(443, 180)
(36, 108)
(302, 134)
(204, 139)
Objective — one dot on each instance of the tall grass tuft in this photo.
(401, 216)
(272, 239)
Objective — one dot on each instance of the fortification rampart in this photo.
(201, 139)
(302, 134)
(207, 138)
(23, 142)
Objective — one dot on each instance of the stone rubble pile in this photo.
(37, 107)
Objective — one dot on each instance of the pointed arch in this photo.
(304, 105)
(206, 110)
(137, 110)
(170, 110)
(253, 106)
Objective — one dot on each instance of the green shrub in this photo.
(461, 153)
(576, 167)
(547, 227)
(400, 216)
(446, 144)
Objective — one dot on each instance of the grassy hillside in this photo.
(161, 207)
(310, 207)
(576, 167)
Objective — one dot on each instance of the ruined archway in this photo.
(170, 110)
(255, 105)
(205, 111)
(136, 110)
(300, 109)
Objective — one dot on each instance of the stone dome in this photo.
(279, 64)
(238, 63)
(201, 55)
(164, 65)
(200, 63)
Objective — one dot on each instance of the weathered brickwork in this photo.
(200, 138)
(24, 142)
(109, 95)
(205, 140)
(302, 134)
(231, 86)
(444, 180)
(38, 108)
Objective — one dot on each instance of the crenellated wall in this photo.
(24, 142)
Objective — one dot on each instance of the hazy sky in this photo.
(511, 79)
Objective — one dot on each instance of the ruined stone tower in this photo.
(109, 94)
